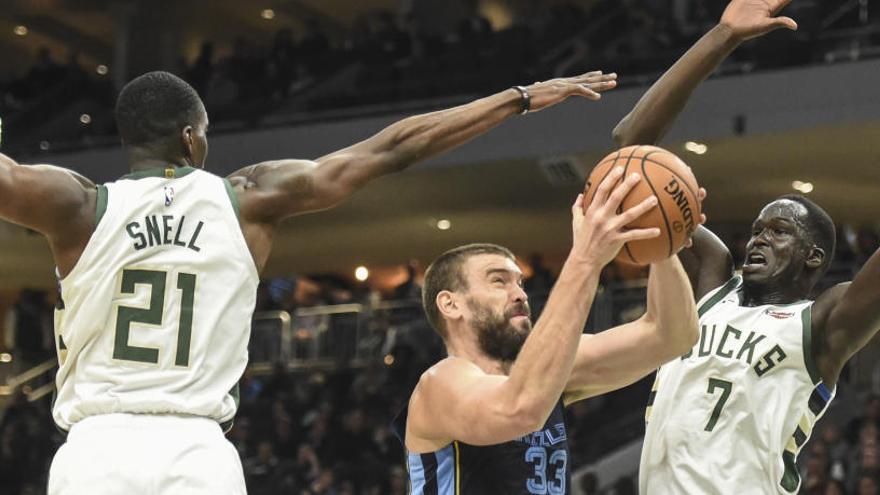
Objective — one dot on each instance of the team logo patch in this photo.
(169, 195)
(779, 315)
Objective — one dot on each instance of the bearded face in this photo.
(501, 333)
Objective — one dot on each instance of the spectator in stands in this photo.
(542, 279)
(856, 432)
(44, 74)
(411, 288)
(33, 331)
(867, 484)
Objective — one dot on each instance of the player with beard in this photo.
(732, 414)
(488, 419)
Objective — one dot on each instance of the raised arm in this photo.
(708, 263)
(845, 318)
(457, 400)
(655, 112)
(279, 189)
(622, 355)
(56, 202)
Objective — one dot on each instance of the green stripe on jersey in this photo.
(791, 479)
(809, 361)
(233, 198)
(100, 204)
(721, 294)
(175, 172)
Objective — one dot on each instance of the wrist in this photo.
(727, 35)
(525, 99)
(583, 263)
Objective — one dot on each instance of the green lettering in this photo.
(705, 351)
(727, 331)
(177, 241)
(195, 237)
(140, 240)
(767, 363)
(166, 229)
(153, 230)
(749, 346)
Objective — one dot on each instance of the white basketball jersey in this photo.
(155, 316)
(732, 414)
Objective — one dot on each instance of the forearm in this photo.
(422, 136)
(544, 365)
(671, 308)
(653, 115)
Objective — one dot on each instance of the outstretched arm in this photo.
(654, 114)
(51, 200)
(279, 189)
(457, 400)
(845, 318)
(708, 263)
(622, 355)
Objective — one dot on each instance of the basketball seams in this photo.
(646, 155)
(616, 157)
(660, 205)
(620, 208)
(683, 180)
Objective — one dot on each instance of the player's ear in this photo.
(448, 305)
(815, 257)
(186, 137)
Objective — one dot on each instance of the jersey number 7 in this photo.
(726, 387)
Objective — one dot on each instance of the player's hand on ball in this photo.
(599, 230)
(749, 19)
(701, 194)
(590, 85)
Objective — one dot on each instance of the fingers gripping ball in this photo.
(665, 176)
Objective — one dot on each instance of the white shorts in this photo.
(139, 454)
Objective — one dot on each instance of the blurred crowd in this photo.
(384, 58)
(843, 456)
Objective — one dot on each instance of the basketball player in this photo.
(488, 419)
(158, 274)
(731, 415)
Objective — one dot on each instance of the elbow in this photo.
(621, 133)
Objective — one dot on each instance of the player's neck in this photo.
(760, 295)
(140, 159)
(473, 354)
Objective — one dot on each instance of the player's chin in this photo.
(521, 324)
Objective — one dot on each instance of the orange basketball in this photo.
(663, 175)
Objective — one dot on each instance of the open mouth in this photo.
(754, 261)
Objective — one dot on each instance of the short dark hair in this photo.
(445, 274)
(820, 226)
(154, 107)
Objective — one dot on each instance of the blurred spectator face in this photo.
(833, 488)
(870, 458)
(868, 435)
(283, 430)
(354, 422)
(265, 451)
(872, 411)
(831, 434)
(867, 485)
(398, 481)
